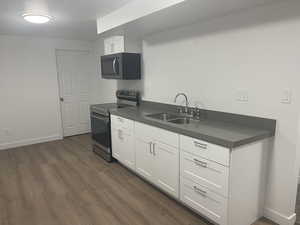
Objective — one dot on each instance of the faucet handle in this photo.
(197, 112)
(180, 110)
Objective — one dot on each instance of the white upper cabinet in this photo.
(114, 44)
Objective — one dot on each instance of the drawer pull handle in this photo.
(200, 145)
(153, 149)
(150, 145)
(199, 191)
(200, 163)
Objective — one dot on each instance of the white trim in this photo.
(61, 129)
(279, 218)
(29, 142)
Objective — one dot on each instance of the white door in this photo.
(144, 159)
(74, 73)
(166, 166)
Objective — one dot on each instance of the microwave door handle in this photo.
(114, 65)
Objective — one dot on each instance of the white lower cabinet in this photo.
(116, 144)
(144, 159)
(204, 201)
(123, 144)
(156, 161)
(203, 179)
(166, 168)
(208, 173)
(224, 185)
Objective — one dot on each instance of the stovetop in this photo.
(104, 109)
(125, 98)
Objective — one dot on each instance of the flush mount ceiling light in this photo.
(35, 18)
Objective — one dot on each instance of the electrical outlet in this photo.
(242, 96)
(286, 97)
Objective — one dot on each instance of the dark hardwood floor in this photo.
(64, 183)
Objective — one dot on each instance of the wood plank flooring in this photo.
(64, 183)
(298, 207)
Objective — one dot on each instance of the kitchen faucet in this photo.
(186, 101)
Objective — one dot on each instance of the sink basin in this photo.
(163, 116)
(184, 120)
(173, 118)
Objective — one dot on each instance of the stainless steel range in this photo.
(100, 121)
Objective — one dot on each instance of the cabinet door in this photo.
(127, 150)
(114, 44)
(115, 139)
(118, 42)
(166, 166)
(123, 147)
(108, 46)
(144, 159)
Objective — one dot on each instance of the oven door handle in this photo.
(100, 118)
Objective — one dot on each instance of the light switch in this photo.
(286, 97)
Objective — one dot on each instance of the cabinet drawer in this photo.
(144, 131)
(204, 149)
(205, 172)
(167, 137)
(204, 201)
(157, 134)
(118, 122)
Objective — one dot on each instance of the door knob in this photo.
(61, 99)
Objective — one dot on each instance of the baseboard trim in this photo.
(29, 142)
(279, 218)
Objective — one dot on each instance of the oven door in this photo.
(100, 125)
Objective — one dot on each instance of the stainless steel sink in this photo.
(173, 118)
(183, 120)
(163, 116)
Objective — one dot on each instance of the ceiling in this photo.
(180, 14)
(73, 19)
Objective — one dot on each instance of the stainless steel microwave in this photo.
(122, 66)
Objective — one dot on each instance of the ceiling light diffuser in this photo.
(38, 19)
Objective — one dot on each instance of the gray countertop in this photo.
(229, 133)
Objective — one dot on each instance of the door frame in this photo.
(59, 105)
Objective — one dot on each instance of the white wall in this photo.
(29, 110)
(255, 51)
